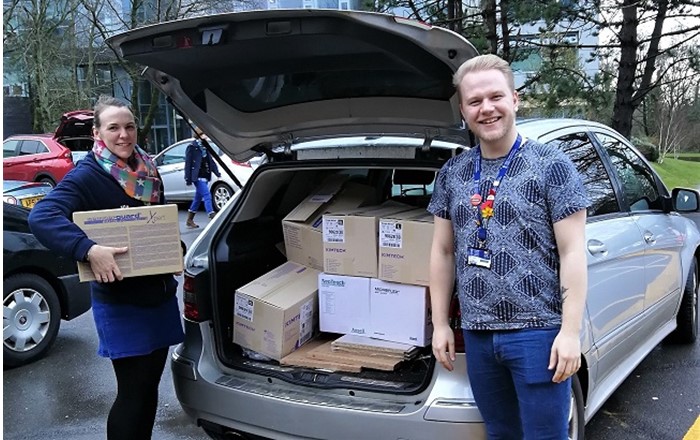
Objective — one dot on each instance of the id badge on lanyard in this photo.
(478, 255)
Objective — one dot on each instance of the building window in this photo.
(101, 80)
(344, 5)
(14, 90)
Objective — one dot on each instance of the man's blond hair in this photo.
(481, 63)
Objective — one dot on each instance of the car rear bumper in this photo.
(76, 297)
(271, 408)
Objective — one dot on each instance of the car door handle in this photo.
(596, 247)
(649, 237)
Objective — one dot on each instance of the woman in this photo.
(199, 165)
(137, 319)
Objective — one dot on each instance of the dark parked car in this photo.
(368, 98)
(48, 157)
(39, 289)
(25, 194)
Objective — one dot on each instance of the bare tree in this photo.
(37, 37)
(641, 35)
(108, 17)
(673, 105)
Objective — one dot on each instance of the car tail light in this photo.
(242, 164)
(456, 324)
(189, 298)
(67, 155)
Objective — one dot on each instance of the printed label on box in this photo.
(333, 230)
(328, 303)
(390, 234)
(306, 323)
(245, 308)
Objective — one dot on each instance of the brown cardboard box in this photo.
(278, 312)
(405, 239)
(303, 238)
(350, 239)
(152, 234)
(400, 313)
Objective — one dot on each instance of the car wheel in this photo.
(31, 318)
(576, 420)
(687, 319)
(48, 180)
(221, 193)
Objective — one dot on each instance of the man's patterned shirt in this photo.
(521, 289)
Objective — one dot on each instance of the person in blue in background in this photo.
(199, 165)
(137, 319)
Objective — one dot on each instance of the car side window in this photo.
(599, 188)
(636, 177)
(31, 147)
(9, 148)
(175, 155)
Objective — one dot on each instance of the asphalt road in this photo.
(67, 395)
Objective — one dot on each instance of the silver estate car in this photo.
(369, 97)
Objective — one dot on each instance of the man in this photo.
(509, 230)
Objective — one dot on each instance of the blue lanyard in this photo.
(477, 200)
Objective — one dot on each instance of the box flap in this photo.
(267, 284)
(319, 197)
(291, 293)
(413, 214)
(387, 208)
(352, 196)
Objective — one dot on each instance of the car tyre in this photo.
(48, 180)
(221, 193)
(577, 423)
(31, 318)
(687, 319)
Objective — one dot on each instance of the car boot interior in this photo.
(252, 244)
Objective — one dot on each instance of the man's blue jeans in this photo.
(201, 193)
(513, 387)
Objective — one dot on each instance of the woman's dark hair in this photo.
(102, 103)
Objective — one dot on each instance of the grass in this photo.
(679, 173)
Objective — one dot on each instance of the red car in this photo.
(48, 157)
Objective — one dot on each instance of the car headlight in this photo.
(9, 199)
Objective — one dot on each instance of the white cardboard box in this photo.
(343, 303)
(405, 239)
(303, 237)
(400, 313)
(350, 239)
(278, 312)
(152, 234)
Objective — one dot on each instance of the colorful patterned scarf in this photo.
(138, 177)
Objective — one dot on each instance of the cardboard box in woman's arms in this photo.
(152, 234)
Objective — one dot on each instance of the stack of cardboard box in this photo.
(370, 270)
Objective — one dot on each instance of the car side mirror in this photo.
(686, 200)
